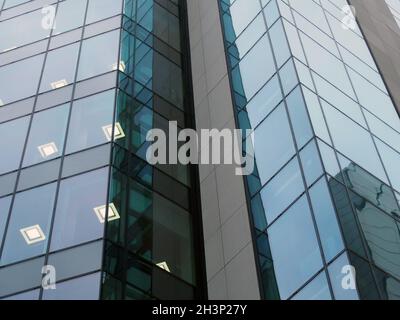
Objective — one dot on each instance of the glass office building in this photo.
(81, 84)
(326, 190)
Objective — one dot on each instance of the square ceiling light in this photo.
(59, 84)
(33, 234)
(163, 265)
(48, 149)
(118, 132)
(102, 211)
(121, 66)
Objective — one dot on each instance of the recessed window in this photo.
(33, 234)
(89, 116)
(118, 132)
(48, 150)
(59, 84)
(29, 224)
(75, 222)
(102, 211)
(47, 135)
(121, 66)
(163, 265)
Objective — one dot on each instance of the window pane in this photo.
(294, 248)
(282, 190)
(353, 141)
(84, 288)
(325, 217)
(13, 143)
(27, 233)
(316, 290)
(89, 257)
(70, 15)
(30, 295)
(46, 138)
(21, 276)
(101, 9)
(60, 68)
(336, 275)
(311, 163)
(22, 30)
(12, 86)
(91, 62)
(391, 160)
(89, 120)
(272, 153)
(76, 220)
(255, 68)
(264, 102)
(299, 117)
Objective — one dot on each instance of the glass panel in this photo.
(92, 63)
(39, 174)
(288, 77)
(30, 295)
(12, 139)
(76, 219)
(271, 153)
(264, 101)
(89, 121)
(101, 9)
(22, 276)
(282, 190)
(70, 15)
(22, 30)
(294, 248)
(83, 288)
(336, 275)
(255, 68)
(27, 233)
(311, 163)
(299, 117)
(382, 234)
(47, 135)
(89, 257)
(59, 70)
(391, 160)
(353, 141)
(243, 12)
(325, 217)
(12, 86)
(316, 290)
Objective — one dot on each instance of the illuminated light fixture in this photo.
(121, 67)
(59, 84)
(9, 49)
(33, 234)
(163, 265)
(47, 150)
(1, 103)
(118, 132)
(102, 210)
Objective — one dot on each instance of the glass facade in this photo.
(78, 95)
(325, 192)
